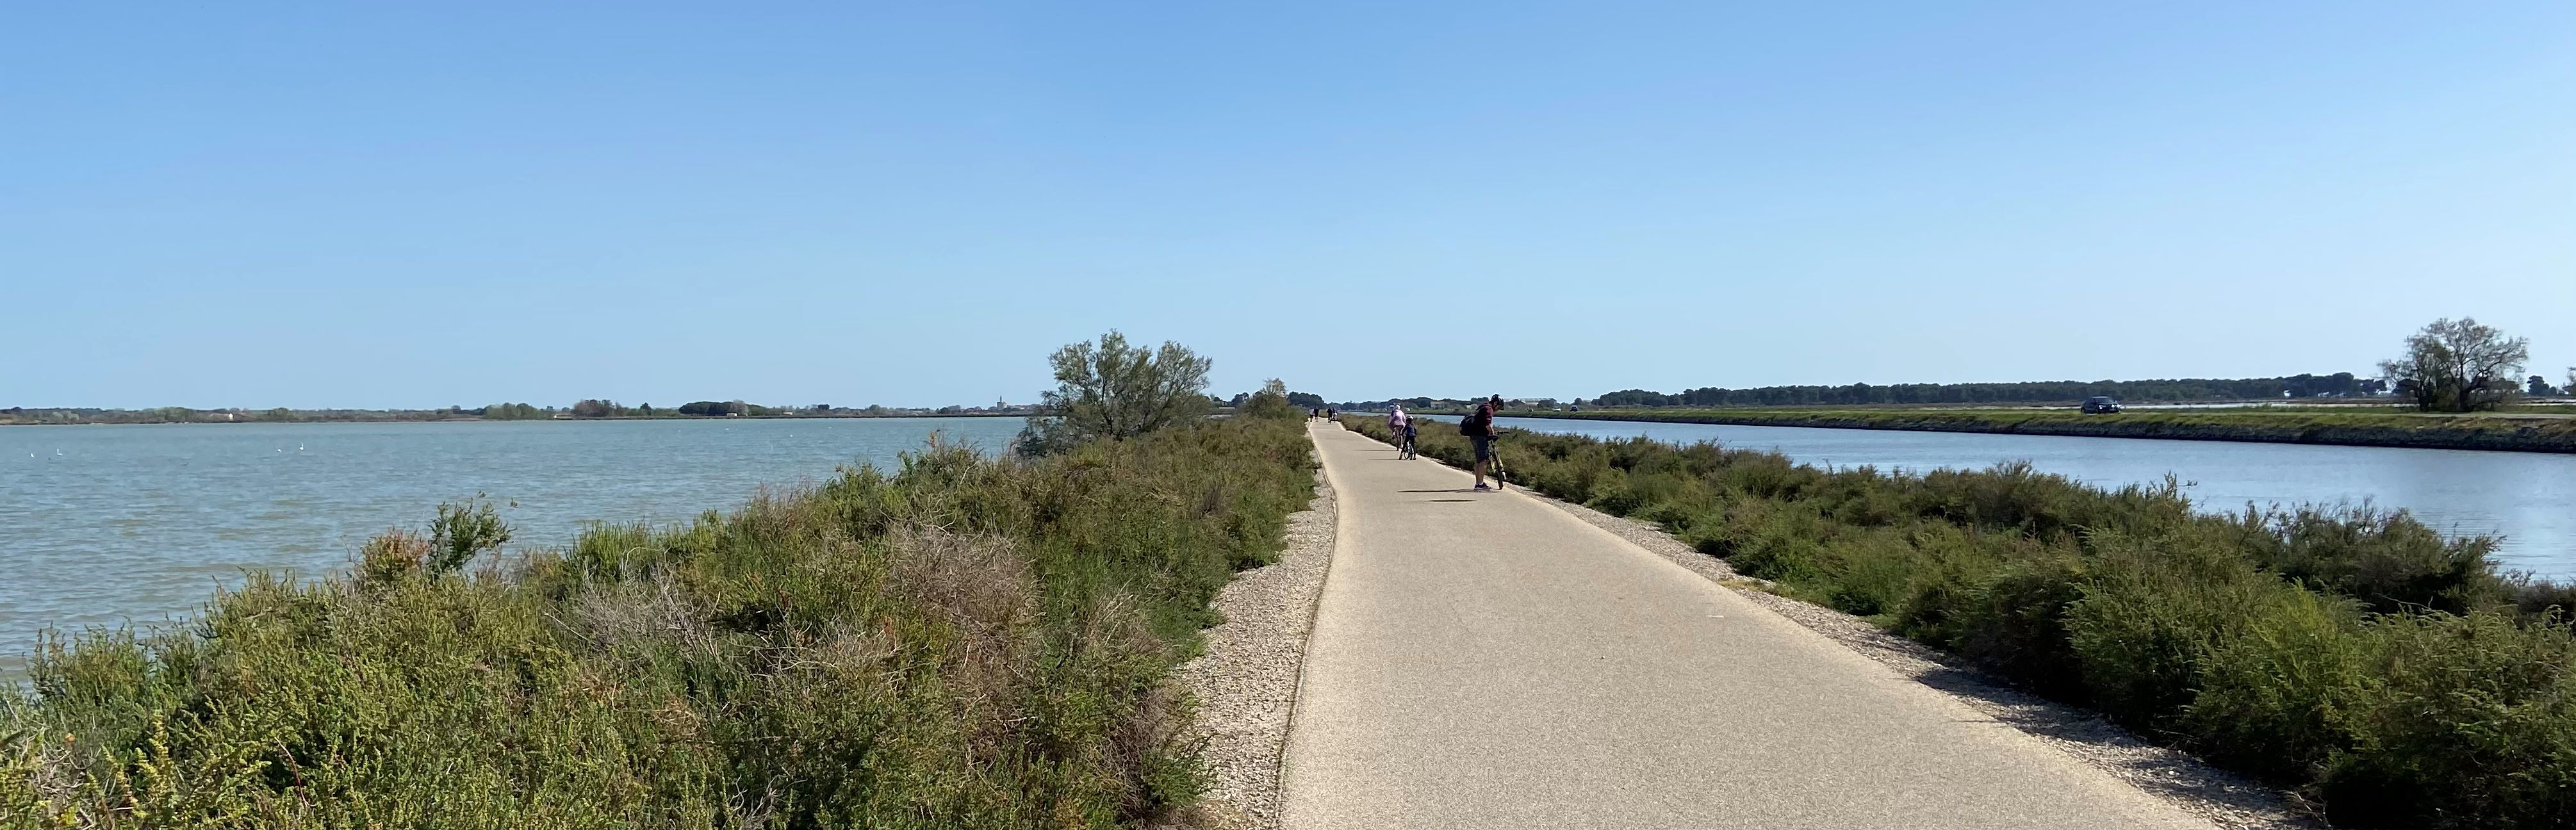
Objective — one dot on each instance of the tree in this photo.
(2539, 386)
(1110, 390)
(2459, 366)
(1306, 400)
(716, 408)
(1271, 402)
(594, 408)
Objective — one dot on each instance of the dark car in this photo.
(2100, 405)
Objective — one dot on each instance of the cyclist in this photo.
(1399, 426)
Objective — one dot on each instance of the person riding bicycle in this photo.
(1479, 429)
(1399, 426)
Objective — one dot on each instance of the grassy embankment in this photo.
(2288, 425)
(966, 642)
(2386, 672)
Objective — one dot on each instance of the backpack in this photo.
(1476, 424)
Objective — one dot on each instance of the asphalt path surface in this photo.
(1485, 660)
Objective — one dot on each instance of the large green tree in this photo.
(1271, 402)
(1111, 390)
(2459, 366)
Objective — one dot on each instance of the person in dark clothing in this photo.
(1479, 429)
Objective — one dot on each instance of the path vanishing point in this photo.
(1487, 660)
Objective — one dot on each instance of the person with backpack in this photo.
(1479, 429)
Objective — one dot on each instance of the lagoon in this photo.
(100, 525)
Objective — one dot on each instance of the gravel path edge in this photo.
(1245, 679)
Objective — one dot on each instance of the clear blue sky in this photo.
(272, 204)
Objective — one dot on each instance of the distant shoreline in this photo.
(2435, 432)
(478, 420)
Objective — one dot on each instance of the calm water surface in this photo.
(2527, 498)
(104, 524)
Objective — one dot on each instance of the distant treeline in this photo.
(2339, 384)
(589, 408)
(185, 415)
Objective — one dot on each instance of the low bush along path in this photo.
(1486, 660)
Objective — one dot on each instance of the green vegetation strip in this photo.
(2389, 674)
(965, 642)
(2285, 426)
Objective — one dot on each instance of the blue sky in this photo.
(302, 205)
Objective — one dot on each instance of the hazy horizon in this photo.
(469, 204)
(1033, 397)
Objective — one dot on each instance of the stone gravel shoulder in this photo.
(2223, 798)
(1245, 683)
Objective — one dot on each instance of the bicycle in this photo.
(1494, 446)
(1500, 480)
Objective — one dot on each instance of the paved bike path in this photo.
(1485, 660)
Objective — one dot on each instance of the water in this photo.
(100, 525)
(104, 524)
(2527, 498)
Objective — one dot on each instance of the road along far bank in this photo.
(2504, 433)
(1485, 660)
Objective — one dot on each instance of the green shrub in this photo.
(2383, 558)
(2004, 608)
(2277, 685)
(2466, 721)
(1868, 572)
